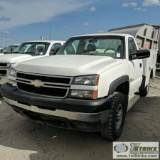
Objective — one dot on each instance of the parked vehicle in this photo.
(147, 37)
(1, 49)
(9, 49)
(27, 50)
(89, 85)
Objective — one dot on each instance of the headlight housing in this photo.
(91, 80)
(8, 65)
(12, 72)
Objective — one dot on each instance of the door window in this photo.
(56, 45)
(131, 46)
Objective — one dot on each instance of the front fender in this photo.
(117, 82)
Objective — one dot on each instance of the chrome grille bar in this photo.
(37, 86)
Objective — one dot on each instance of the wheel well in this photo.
(123, 88)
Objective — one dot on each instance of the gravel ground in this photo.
(22, 139)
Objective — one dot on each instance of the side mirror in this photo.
(140, 54)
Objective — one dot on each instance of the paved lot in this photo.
(22, 139)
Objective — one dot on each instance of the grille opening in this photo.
(3, 72)
(63, 80)
(22, 80)
(48, 108)
(24, 103)
(55, 92)
(3, 64)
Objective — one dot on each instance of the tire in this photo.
(114, 126)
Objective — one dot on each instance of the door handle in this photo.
(140, 65)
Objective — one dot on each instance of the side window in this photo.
(56, 45)
(131, 46)
(72, 47)
(40, 48)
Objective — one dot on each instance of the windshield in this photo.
(9, 49)
(33, 48)
(112, 46)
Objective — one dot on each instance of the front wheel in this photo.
(114, 126)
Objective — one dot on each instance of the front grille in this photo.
(59, 80)
(52, 86)
(3, 64)
(55, 92)
(3, 69)
(3, 72)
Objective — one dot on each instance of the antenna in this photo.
(41, 38)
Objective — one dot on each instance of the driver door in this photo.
(135, 68)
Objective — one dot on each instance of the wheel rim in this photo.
(119, 116)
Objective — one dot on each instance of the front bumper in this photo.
(85, 115)
(62, 119)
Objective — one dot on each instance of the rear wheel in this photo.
(114, 126)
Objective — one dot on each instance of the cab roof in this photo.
(102, 34)
(48, 41)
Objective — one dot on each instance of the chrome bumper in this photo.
(84, 117)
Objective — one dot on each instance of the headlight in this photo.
(84, 94)
(86, 80)
(12, 72)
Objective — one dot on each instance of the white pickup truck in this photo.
(89, 85)
(27, 50)
(9, 49)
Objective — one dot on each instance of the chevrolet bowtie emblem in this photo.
(37, 83)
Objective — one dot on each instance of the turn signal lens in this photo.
(91, 94)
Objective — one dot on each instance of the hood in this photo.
(13, 58)
(68, 65)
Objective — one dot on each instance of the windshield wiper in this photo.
(90, 54)
(32, 53)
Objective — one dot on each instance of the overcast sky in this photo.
(22, 20)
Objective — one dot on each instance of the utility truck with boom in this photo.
(89, 85)
(147, 37)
